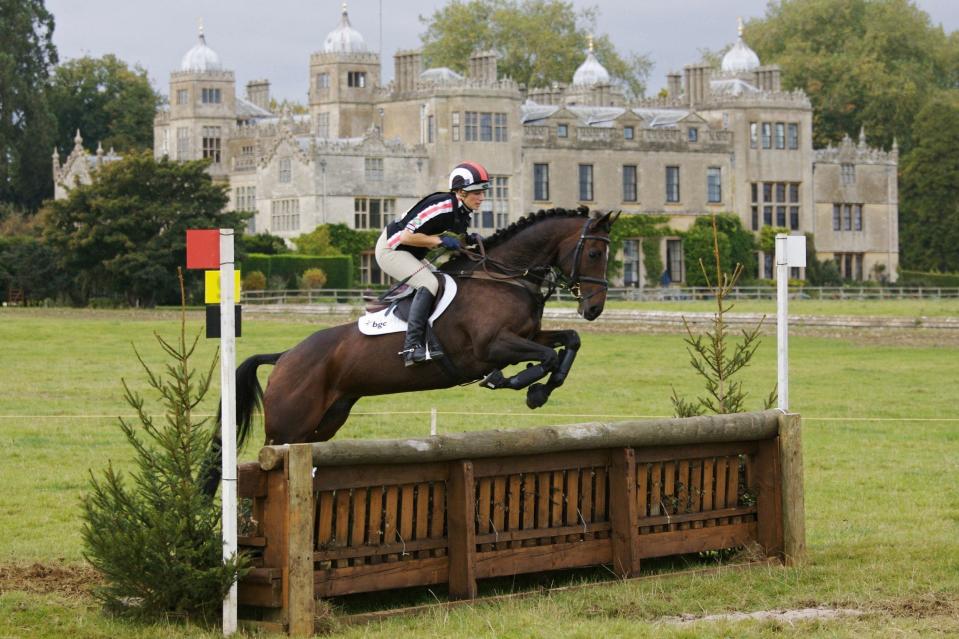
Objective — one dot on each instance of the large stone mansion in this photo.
(727, 139)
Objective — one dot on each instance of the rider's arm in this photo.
(419, 239)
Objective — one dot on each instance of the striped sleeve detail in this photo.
(394, 240)
(430, 212)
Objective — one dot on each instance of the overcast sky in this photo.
(274, 39)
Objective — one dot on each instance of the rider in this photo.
(404, 243)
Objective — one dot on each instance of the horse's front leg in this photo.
(538, 394)
(510, 348)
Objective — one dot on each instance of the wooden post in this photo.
(767, 487)
(461, 527)
(623, 513)
(299, 563)
(793, 500)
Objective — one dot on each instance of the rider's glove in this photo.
(473, 239)
(450, 243)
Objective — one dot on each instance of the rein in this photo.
(516, 276)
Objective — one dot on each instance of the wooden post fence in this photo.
(345, 516)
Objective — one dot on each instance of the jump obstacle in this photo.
(352, 516)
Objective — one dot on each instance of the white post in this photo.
(433, 422)
(228, 423)
(782, 321)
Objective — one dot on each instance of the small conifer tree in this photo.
(155, 539)
(712, 355)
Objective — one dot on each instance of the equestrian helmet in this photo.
(469, 176)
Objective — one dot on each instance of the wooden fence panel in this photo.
(383, 525)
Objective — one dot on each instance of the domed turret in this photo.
(740, 58)
(590, 72)
(344, 38)
(201, 57)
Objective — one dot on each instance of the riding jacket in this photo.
(432, 215)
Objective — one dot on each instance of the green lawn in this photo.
(882, 502)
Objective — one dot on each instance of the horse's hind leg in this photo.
(334, 417)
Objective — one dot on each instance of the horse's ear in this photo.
(605, 222)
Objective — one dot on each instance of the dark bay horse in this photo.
(493, 322)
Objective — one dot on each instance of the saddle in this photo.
(398, 301)
(390, 314)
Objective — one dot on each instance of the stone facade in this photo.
(721, 140)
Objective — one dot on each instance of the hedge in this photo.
(290, 266)
(920, 278)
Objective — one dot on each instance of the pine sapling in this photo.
(713, 357)
(155, 536)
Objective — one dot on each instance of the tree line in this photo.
(880, 65)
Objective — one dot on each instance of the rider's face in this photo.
(473, 199)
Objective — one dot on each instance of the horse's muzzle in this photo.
(593, 311)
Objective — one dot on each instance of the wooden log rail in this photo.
(344, 516)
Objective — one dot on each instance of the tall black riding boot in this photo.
(414, 348)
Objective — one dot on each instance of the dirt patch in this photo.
(925, 605)
(781, 616)
(62, 579)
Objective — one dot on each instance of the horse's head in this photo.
(585, 258)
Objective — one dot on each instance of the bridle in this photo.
(573, 281)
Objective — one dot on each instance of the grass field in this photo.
(881, 459)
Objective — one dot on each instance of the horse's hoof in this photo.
(537, 395)
(494, 380)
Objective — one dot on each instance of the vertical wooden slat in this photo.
(342, 536)
(720, 501)
(656, 493)
(299, 568)
(682, 491)
(324, 526)
(543, 496)
(669, 492)
(529, 505)
(438, 515)
(793, 494)
(572, 502)
(461, 522)
(389, 521)
(406, 516)
(374, 534)
(622, 512)
(422, 526)
(709, 488)
(696, 489)
(358, 525)
(642, 493)
(514, 506)
(599, 499)
(485, 489)
(586, 499)
(732, 486)
(557, 494)
(498, 508)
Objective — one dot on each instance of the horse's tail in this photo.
(249, 400)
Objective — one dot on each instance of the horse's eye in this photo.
(593, 254)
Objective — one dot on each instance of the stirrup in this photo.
(414, 355)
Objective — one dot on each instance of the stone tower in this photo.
(344, 76)
(202, 108)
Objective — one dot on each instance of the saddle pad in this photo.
(385, 321)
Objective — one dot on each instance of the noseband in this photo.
(575, 279)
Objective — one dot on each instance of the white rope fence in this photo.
(430, 413)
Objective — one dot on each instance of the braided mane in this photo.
(533, 218)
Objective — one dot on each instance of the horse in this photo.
(493, 322)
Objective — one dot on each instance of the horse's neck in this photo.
(530, 248)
